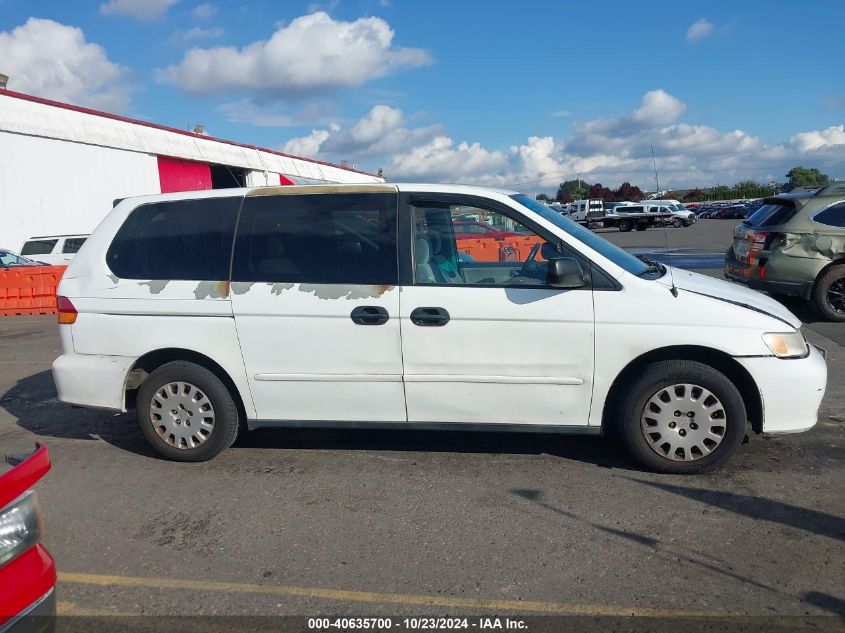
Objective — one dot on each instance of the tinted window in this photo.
(38, 247)
(73, 244)
(832, 216)
(342, 239)
(771, 215)
(185, 239)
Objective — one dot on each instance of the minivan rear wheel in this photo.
(682, 417)
(186, 413)
(828, 296)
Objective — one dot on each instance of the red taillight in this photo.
(67, 313)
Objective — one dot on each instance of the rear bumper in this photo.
(749, 275)
(791, 390)
(28, 583)
(92, 380)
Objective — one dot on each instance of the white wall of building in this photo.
(53, 187)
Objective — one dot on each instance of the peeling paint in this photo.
(212, 290)
(278, 288)
(156, 285)
(345, 291)
(114, 279)
(241, 287)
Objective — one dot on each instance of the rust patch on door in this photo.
(156, 285)
(212, 290)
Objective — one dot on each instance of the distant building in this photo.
(62, 166)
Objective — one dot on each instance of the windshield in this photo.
(621, 258)
(10, 259)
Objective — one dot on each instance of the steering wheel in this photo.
(523, 272)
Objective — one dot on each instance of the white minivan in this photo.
(349, 306)
(54, 250)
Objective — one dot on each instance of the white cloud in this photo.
(144, 10)
(700, 29)
(203, 11)
(53, 60)
(833, 136)
(658, 107)
(313, 54)
(606, 150)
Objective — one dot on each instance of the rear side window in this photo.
(184, 239)
(73, 244)
(772, 215)
(832, 216)
(38, 247)
(324, 239)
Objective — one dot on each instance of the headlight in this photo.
(20, 526)
(786, 344)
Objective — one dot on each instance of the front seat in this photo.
(422, 258)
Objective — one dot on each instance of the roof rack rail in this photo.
(836, 188)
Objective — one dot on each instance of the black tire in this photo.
(225, 423)
(625, 225)
(830, 281)
(642, 226)
(677, 223)
(665, 374)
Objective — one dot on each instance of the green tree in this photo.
(575, 189)
(805, 177)
(543, 197)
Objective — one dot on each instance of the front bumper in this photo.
(791, 389)
(40, 617)
(27, 589)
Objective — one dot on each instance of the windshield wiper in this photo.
(653, 267)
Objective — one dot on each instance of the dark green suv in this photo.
(795, 245)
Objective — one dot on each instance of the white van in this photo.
(55, 250)
(681, 216)
(348, 306)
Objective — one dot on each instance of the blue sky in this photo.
(496, 93)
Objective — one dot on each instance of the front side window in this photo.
(73, 244)
(832, 216)
(10, 259)
(184, 239)
(38, 247)
(322, 239)
(518, 259)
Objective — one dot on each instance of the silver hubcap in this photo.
(182, 415)
(683, 422)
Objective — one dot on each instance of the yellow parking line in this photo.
(343, 595)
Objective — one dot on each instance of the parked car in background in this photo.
(281, 307)
(55, 250)
(27, 571)
(8, 259)
(681, 216)
(795, 245)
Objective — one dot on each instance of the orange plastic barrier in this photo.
(29, 289)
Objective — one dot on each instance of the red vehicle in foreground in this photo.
(27, 571)
(479, 230)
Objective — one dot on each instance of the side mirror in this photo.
(565, 272)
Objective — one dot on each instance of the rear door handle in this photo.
(431, 317)
(369, 315)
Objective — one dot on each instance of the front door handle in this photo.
(431, 317)
(369, 315)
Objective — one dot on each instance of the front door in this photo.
(316, 304)
(484, 339)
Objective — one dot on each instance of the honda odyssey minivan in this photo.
(349, 306)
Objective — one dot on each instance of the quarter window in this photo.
(832, 216)
(184, 239)
(38, 247)
(324, 239)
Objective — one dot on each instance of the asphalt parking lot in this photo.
(402, 522)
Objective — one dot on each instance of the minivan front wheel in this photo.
(186, 413)
(683, 417)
